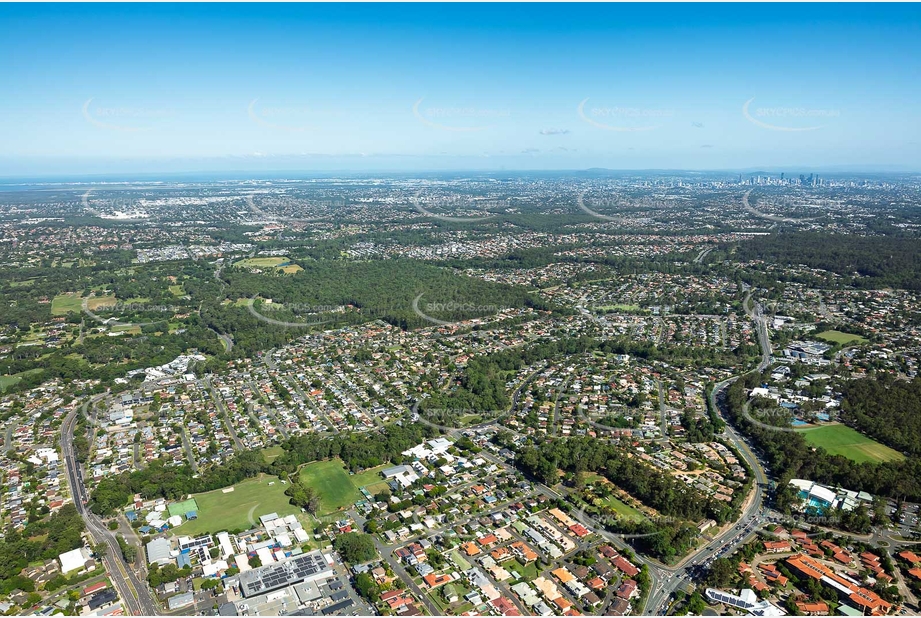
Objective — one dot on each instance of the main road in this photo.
(134, 593)
(753, 509)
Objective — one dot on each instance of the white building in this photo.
(74, 560)
(746, 600)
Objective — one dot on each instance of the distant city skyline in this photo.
(122, 89)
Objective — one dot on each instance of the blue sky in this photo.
(132, 88)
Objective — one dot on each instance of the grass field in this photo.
(369, 477)
(100, 301)
(623, 510)
(272, 453)
(130, 328)
(332, 482)
(836, 336)
(66, 303)
(181, 508)
(262, 262)
(176, 290)
(270, 262)
(218, 511)
(6, 381)
(842, 440)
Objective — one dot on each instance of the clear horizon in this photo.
(164, 89)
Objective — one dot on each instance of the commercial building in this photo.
(306, 567)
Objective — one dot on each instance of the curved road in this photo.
(674, 578)
(134, 593)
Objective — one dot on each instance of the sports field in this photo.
(240, 508)
(66, 303)
(333, 484)
(836, 336)
(181, 508)
(262, 262)
(369, 477)
(842, 440)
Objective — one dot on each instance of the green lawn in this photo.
(459, 560)
(65, 303)
(332, 483)
(262, 262)
(623, 510)
(272, 453)
(7, 381)
(842, 440)
(240, 508)
(836, 336)
(176, 290)
(371, 476)
(527, 571)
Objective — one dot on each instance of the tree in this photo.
(355, 547)
(696, 604)
(367, 587)
(721, 573)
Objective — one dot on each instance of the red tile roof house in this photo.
(489, 539)
(398, 602)
(95, 588)
(624, 565)
(843, 557)
(911, 556)
(390, 594)
(505, 607)
(627, 589)
(596, 583)
(812, 608)
(776, 547)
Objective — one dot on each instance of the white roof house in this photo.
(74, 560)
